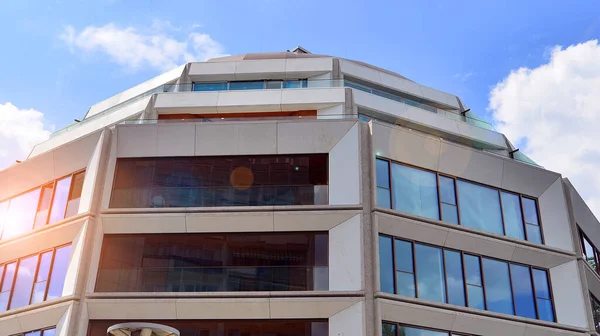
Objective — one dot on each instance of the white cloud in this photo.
(20, 130)
(134, 48)
(463, 77)
(553, 113)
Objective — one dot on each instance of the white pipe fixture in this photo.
(141, 329)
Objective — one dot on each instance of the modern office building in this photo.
(291, 194)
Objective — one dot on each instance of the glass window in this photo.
(249, 85)
(21, 214)
(59, 272)
(293, 84)
(497, 286)
(430, 273)
(415, 191)
(474, 283)
(383, 183)
(59, 203)
(274, 84)
(49, 332)
(7, 283)
(542, 294)
(388, 329)
(454, 278)
(410, 331)
(3, 212)
(513, 219)
(405, 277)
(448, 200)
(595, 311)
(532, 225)
(480, 207)
(386, 264)
(41, 218)
(210, 86)
(41, 280)
(73, 203)
(589, 252)
(24, 282)
(523, 291)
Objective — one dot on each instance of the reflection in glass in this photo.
(24, 282)
(21, 214)
(449, 213)
(513, 220)
(522, 291)
(59, 203)
(542, 294)
(475, 294)
(9, 276)
(454, 278)
(595, 311)
(59, 272)
(530, 211)
(382, 173)
(39, 289)
(386, 264)
(480, 207)
(415, 191)
(249, 85)
(42, 214)
(497, 286)
(533, 233)
(388, 329)
(73, 203)
(210, 86)
(383, 198)
(410, 331)
(49, 332)
(430, 273)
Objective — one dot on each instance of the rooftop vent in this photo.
(300, 50)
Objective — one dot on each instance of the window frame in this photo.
(302, 81)
(399, 324)
(482, 272)
(17, 261)
(595, 301)
(583, 236)
(458, 211)
(54, 183)
(42, 331)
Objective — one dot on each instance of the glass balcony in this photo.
(213, 279)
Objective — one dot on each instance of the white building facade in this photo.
(291, 194)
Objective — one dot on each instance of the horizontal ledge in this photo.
(486, 313)
(223, 295)
(35, 306)
(230, 209)
(526, 243)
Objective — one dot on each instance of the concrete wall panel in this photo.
(229, 222)
(344, 170)
(249, 101)
(346, 256)
(310, 136)
(471, 165)
(143, 223)
(555, 218)
(350, 321)
(137, 140)
(212, 71)
(526, 179)
(33, 319)
(569, 301)
(176, 139)
(265, 69)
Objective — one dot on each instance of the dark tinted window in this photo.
(213, 263)
(221, 181)
(231, 327)
(386, 264)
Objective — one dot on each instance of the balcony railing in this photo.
(309, 84)
(214, 279)
(177, 197)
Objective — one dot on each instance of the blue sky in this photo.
(60, 57)
(462, 47)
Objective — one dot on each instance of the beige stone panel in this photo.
(41, 240)
(554, 217)
(310, 136)
(537, 257)
(137, 140)
(406, 146)
(257, 138)
(9, 326)
(216, 139)
(123, 309)
(526, 179)
(223, 308)
(75, 155)
(470, 165)
(469, 242)
(26, 175)
(176, 139)
(230, 222)
(249, 101)
(480, 325)
(411, 229)
(212, 71)
(43, 317)
(532, 330)
(310, 220)
(144, 223)
(417, 315)
(316, 308)
(260, 69)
